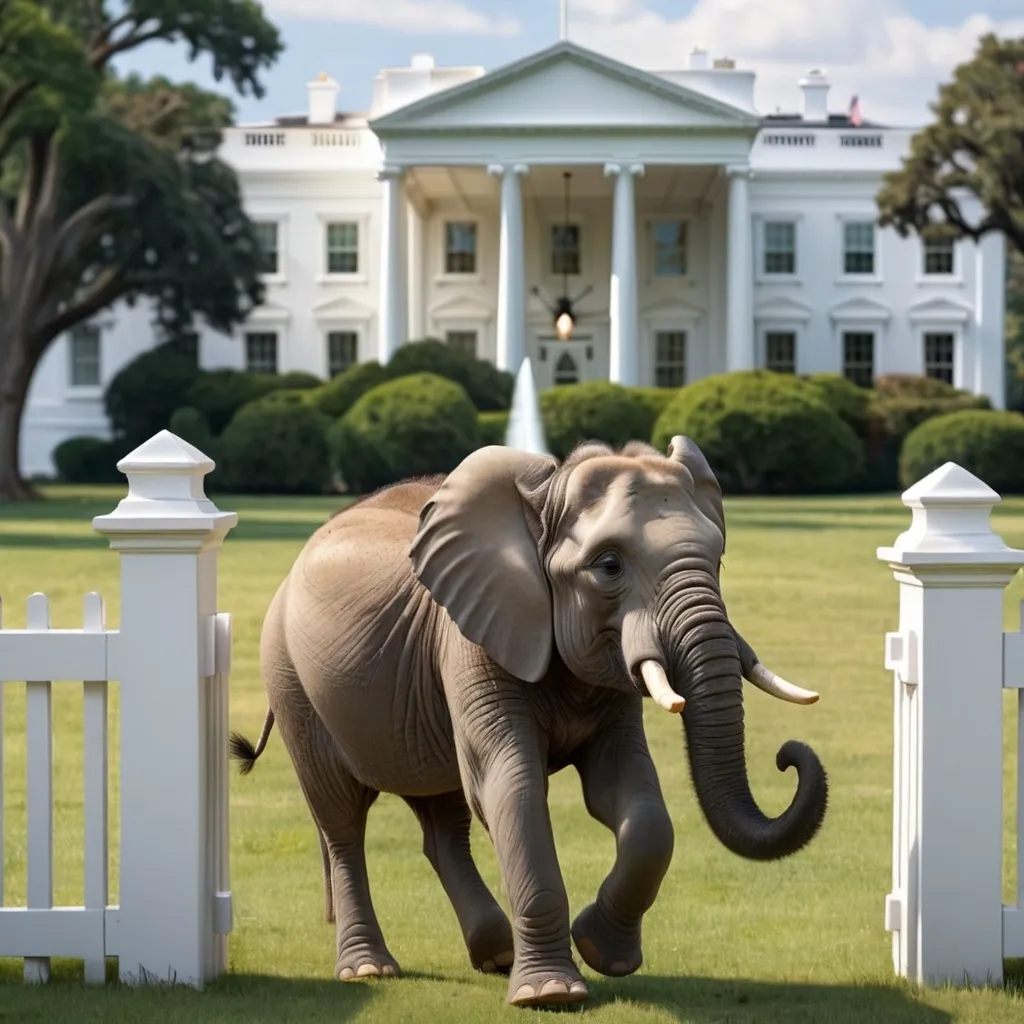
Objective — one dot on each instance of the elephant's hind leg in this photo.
(446, 821)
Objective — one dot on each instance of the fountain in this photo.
(525, 429)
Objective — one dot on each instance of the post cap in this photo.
(951, 523)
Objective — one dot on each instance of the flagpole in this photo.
(564, 20)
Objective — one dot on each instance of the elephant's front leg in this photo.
(621, 790)
(504, 762)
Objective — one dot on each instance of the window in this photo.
(859, 357)
(565, 249)
(780, 247)
(343, 248)
(342, 351)
(859, 247)
(261, 352)
(938, 256)
(84, 361)
(464, 341)
(670, 248)
(780, 351)
(670, 359)
(266, 238)
(938, 355)
(566, 371)
(460, 247)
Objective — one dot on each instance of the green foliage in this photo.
(849, 401)
(219, 394)
(275, 448)
(594, 411)
(492, 427)
(340, 393)
(764, 432)
(912, 385)
(142, 395)
(974, 145)
(413, 426)
(190, 425)
(656, 399)
(987, 443)
(89, 460)
(488, 387)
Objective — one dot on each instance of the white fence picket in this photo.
(39, 788)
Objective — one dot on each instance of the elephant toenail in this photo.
(523, 992)
(387, 971)
(346, 974)
(578, 988)
(554, 986)
(368, 971)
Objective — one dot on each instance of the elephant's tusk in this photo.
(768, 681)
(658, 687)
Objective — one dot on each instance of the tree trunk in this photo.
(14, 384)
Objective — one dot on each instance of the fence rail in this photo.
(171, 657)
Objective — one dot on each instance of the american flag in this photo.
(854, 114)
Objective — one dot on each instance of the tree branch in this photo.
(85, 225)
(101, 57)
(107, 287)
(11, 99)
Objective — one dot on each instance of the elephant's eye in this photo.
(609, 564)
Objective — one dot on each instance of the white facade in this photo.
(706, 237)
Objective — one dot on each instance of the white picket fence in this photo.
(951, 662)
(171, 660)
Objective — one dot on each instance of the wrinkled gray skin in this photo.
(455, 642)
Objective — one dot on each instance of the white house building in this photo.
(689, 233)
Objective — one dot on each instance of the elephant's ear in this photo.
(707, 491)
(477, 552)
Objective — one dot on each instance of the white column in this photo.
(392, 330)
(990, 314)
(623, 342)
(415, 264)
(511, 341)
(945, 908)
(739, 284)
(174, 754)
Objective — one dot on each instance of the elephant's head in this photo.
(612, 560)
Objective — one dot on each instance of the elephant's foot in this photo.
(610, 949)
(361, 960)
(490, 945)
(546, 985)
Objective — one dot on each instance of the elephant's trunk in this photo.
(704, 665)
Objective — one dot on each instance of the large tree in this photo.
(974, 147)
(112, 189)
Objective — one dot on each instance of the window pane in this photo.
(343, 248)
(670, 248)
(859, 247)
(939, 355)
(460, 247)
(566, 371)
(261, 352)
(342, 351)
(938, 256)
(780, 247)
(670, 359)
(84, 350)
(266, 238)
(780, 351)
(565, 249)
(859, 357)
(464, 341)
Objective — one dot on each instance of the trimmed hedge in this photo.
(845, 398)
(190, 425)
(89, 460)
(595, 411)
(219, 394)
(987, 443)
(764, 432)
(340, 393)
(492, 427)
(413, 426)
(489, 388)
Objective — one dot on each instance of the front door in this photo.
(562, 362)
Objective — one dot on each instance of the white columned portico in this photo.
(623, 344)
(739, 289)
(415, 276)
(393, 330)
(511, 340)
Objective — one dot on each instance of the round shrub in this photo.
(413, 426)
(656, 399)
(764, 432)
(275, 448)
(89, 460)
(913, 385)
(340, 393)
(219, 394)
(142, 395)
(845, 398)
(488, 387)
(190, 425)
(987, 443)
(595, 411)
(492, 427)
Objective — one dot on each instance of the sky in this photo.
(892, 53)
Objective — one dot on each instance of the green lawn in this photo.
(796, 942)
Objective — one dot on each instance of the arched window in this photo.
(566, 371)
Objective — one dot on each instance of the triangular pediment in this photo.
(269, 312)
(672, 309)
(342, 308)
(860, 308)
(461, 307)
(782, 308)
(939, 309)
(565, 86)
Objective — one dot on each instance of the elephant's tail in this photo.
(242, 749)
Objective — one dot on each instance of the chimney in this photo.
(422, 62)
(323, 98)
(815, 90)
(699, 59)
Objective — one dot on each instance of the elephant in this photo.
(455, 640)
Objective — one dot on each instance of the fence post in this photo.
(945, 908)
(167, 533)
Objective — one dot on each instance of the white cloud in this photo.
(409, 16)
(873, 48)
